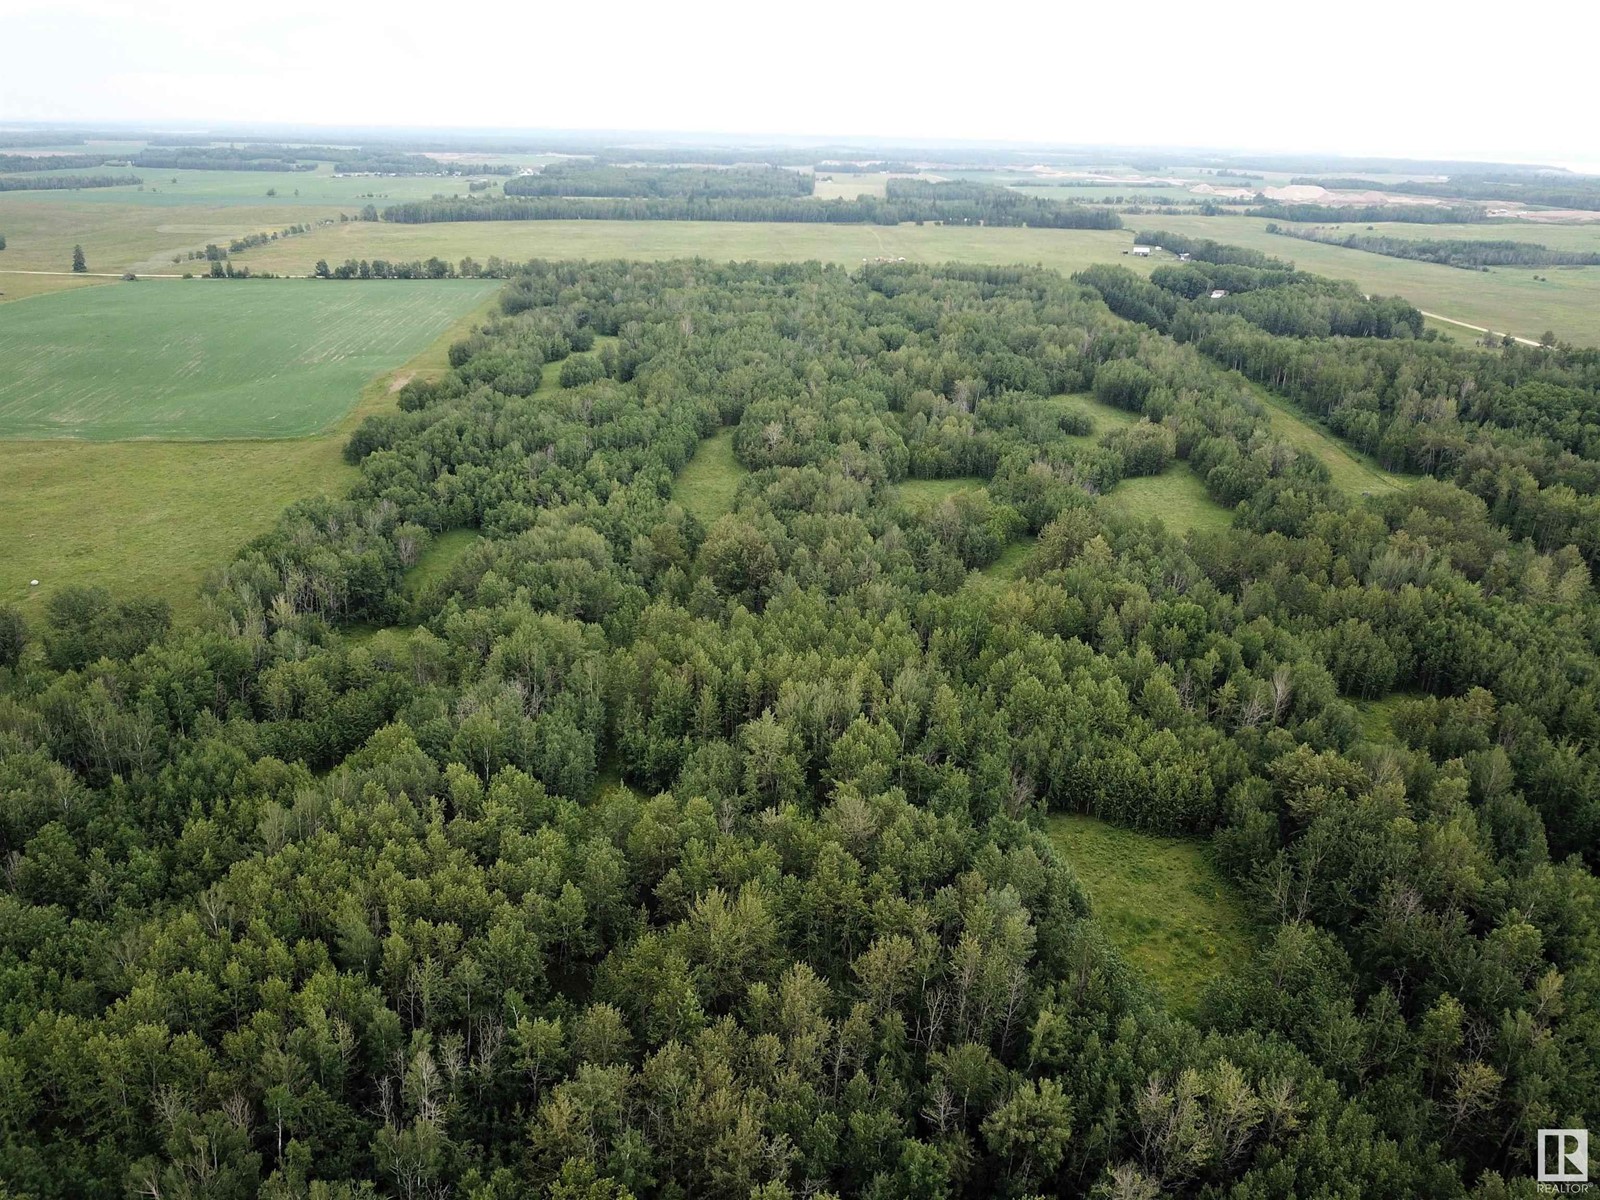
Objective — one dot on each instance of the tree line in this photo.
(641, 856)
(1471, 253)
(63, 183)
(221, 158)
(963, 205)
(13, 163)
(1544, 189)
(691, 183)
(1412, 214)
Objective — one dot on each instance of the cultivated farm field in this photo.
(152, 518)
(207, 360)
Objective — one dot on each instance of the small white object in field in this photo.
(33, 583)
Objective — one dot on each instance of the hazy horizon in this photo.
(1248, 76)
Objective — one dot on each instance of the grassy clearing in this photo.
(849, 186)
(1106, 417)
(441, 555)
(706, 485)
(1162, 902)
(1013, 558)
(206, 360)
(924, 493)
(1176, 496)
(1377, 716)
(152, 518)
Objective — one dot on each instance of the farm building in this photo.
(1218, 293)
(1141, 251)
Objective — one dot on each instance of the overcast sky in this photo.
(1407, 77)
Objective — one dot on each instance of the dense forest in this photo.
(686, 183)
(906, 200)
(1471, 253)
(635, 855)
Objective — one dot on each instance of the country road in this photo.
(91, 274)
(1474, 328)
(119, 274)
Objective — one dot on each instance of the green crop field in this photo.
(173, 189)
(163, 359)
(705, 487)
(152, 518)
(1162, 901)
(41, 229)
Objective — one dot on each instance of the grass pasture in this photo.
(1162, 902)
(707, 483)
(211, 360)
(1066, 250)
(152, 518)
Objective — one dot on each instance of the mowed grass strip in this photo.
(1162, 902)
(706, 485)
(208, 359)
(1353, 472)
(153, 518)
